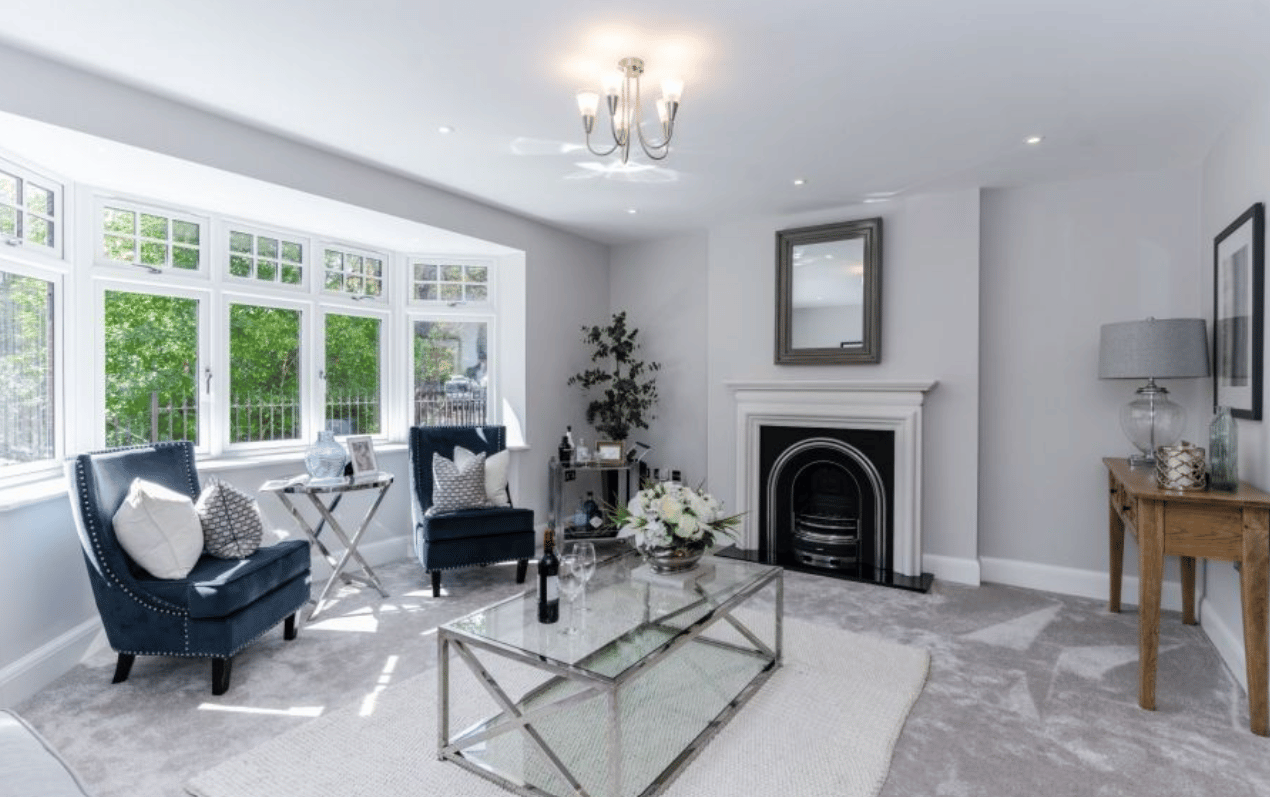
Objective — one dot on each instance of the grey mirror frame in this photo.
(870, 349)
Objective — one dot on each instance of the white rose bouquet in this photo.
(669, 514)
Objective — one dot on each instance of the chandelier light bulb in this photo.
(672, 89)
(612, 83)
(588, 103)
(663, 113)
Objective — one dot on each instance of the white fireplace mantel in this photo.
(837, 404)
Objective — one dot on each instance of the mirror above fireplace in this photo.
(829, 293)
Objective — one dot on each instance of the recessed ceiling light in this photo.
(445, 129)
(869, 200)
(800, 181)
(632, 211)
(1033, 140)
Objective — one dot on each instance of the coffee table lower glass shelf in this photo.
(617, 709)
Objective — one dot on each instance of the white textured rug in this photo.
(824, 724)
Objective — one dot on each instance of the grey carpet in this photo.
(1029, 693)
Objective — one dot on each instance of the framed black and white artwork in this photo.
(1238, 314)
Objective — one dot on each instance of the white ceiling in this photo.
(859, 97)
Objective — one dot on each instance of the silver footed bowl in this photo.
(672, 558)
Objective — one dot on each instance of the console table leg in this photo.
(1188, 590)
(1252, 587)
(1150, 574)
(1116, 527)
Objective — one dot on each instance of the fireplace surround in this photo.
(861, 443)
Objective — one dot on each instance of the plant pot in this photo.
(672, 558)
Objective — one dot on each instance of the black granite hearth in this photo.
(863, 573)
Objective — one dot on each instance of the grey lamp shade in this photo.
(1157, 348)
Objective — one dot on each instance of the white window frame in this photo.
(491, 284)
(206, 350)
(20, 473)
(226, 227)
(384, 316)
(306, 378)
(171, 212)
(47, 181)
(319, 261)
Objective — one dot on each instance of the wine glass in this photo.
(585, 553)
(571, 584)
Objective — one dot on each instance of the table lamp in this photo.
(1165, 348)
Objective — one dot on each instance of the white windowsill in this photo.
(55, 488)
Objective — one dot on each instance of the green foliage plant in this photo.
(623, 388)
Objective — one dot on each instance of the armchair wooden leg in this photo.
(123, 666)
(221, 667)
(436, 583)
(521, 566)
(289, 631)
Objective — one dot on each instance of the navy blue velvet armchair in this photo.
(463, 537)
(219, 608)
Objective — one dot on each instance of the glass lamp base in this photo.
(1151, 420)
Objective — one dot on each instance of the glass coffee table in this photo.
(617, 709)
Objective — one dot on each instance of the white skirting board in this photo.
(952, 568)
(42, 666)
(1094, 584)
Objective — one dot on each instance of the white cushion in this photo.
(159, 529)
(495, 473)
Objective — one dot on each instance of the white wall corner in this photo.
(952, 568)
(42, 666)
(1095, 584)
(1228, 641)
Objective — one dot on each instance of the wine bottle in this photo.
(548, 580)
(565, 452)
(594, 517)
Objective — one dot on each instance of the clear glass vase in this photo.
(1223, 451)
(326, 458)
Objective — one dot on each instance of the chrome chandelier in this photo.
(622, 94)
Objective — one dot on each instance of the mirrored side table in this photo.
(315, 490)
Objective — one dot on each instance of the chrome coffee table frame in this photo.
(518, 715)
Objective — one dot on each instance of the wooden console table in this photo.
(1228, 526)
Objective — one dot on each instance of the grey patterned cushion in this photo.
(232, 527)
(455, 487)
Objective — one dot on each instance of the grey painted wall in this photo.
(567, 278)
(1060, 260)
(1236, 174)
(662, 286)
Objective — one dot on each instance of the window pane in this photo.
(451, 293)
(334, 280)
(292, 275)
(292, 252)
(267, 247)
(240, 242)
(477, 274)
(426, 292)
(239, 266)
(151, 368)
(39, 199)
(154, 254)
(185, 232)
(264, 379)
(8, 220)
(266, 270)
(154, 227)
(425, 272)
(452, 273)
(450, 367)
(374, 267)
(8, 189)
(121, 221)
(352, 374)
(374, 287)
(354, 264)
(334, 260)
(26, 369)
(184, 257)
(123, 249)
(476, 293)
(39, 231)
